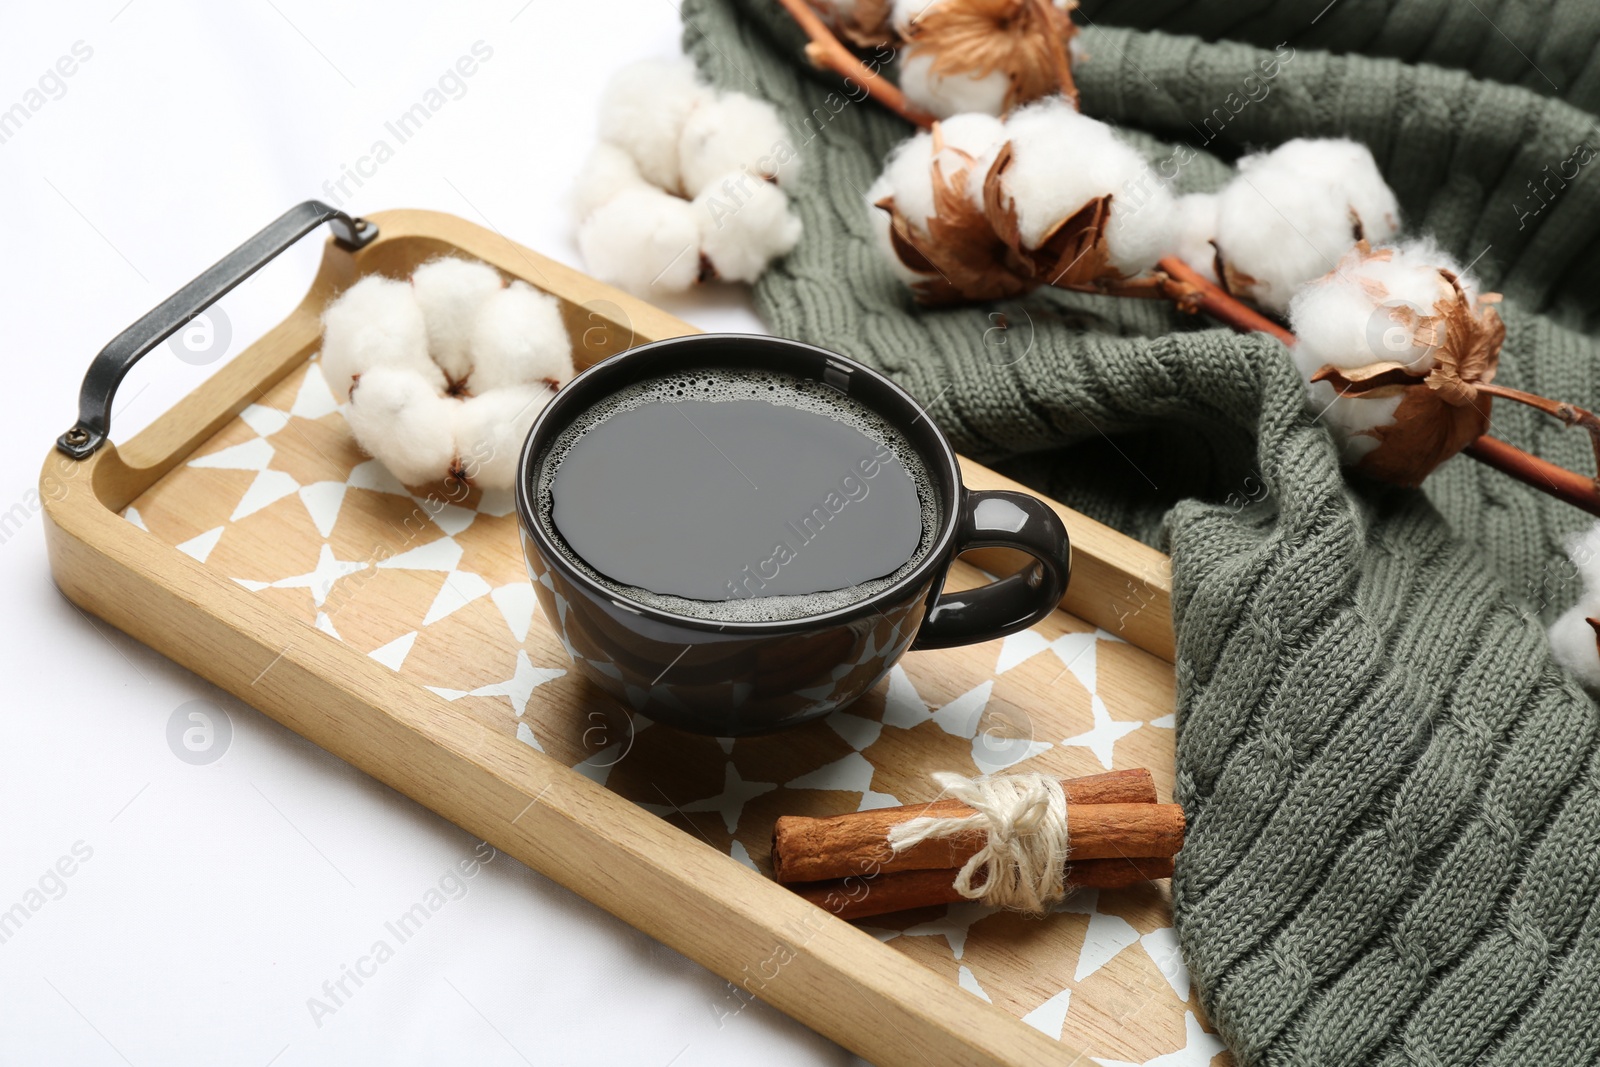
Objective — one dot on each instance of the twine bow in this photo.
(1024, 820)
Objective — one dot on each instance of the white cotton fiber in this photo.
(908, 177)
(954, 94)
(375, 322)
(1355, 315)
(490, 430)
(908, 173)
(1195, 224)
(643, 111)
(905, 13)
(881, 225)
(518, 338)
(1364, 312)
(1572, 642)
(1572, 639)
(645, 241)
(450, 292)
(399, 417)
(745, 223)
(1291, 213)
(607, 171)
(734, 132)
(1062, 159)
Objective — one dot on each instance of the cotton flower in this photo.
(988, 56)
(943, 95)
(734, 132)
(745, 223)
(405, 423)
(1068, 175)
(376, 321)
(643, 112)
(654, 219)
(1195, 228)
(450, 292)
(444, 376)
(517, 338)
(982, 210)
(607, 171)
(927, 209)
(490, 428)
(643, 240)
(1574, 639)
(1291, 213)
(1394, 343)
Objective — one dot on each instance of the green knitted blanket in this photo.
(1394, 846)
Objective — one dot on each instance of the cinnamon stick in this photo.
(860, 898)
(1110, 815)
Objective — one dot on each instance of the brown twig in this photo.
(1570, 414)
(827, 52)
(1221, 304)
(1568, 486)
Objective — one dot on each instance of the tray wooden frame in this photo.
(836, 979)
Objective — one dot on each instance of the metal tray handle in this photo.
(131, 345)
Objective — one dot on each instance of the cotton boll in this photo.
(606, 172)
(881, 224)
(1572, 642)
(376, 322)
(905, 13)
(1572, 639)
(745, 223)
(1346, 165)
(643, 111)
(490, 430)
(1337, 321)
(402, 421)
(1291, 213)
(954, 94)
(1195, 222)
(734, 132)
(1364, 312)
(1379, 308)
(1061, 160)
(450, 292)
(1276, 231)
(908, 177)
(1351, 418)
(1584, 551)
(908, 173)
(644, 240)
(519, 339)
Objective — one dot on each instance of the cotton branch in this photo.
(827, 52)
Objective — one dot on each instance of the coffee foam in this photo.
(724, 385)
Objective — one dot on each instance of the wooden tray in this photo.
(244, 535)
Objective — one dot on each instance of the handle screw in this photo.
(77, 436)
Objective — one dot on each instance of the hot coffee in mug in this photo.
(738, 496)
(735, 534)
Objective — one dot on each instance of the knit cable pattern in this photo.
(1394, 843)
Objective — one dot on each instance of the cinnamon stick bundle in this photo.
(1112, 816)
(861, 898)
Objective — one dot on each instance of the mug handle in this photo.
(994, 518)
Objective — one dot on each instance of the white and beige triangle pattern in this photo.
(283, 502)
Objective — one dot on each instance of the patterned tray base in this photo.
(284, 503)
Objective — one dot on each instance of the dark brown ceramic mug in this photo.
(734, 678)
